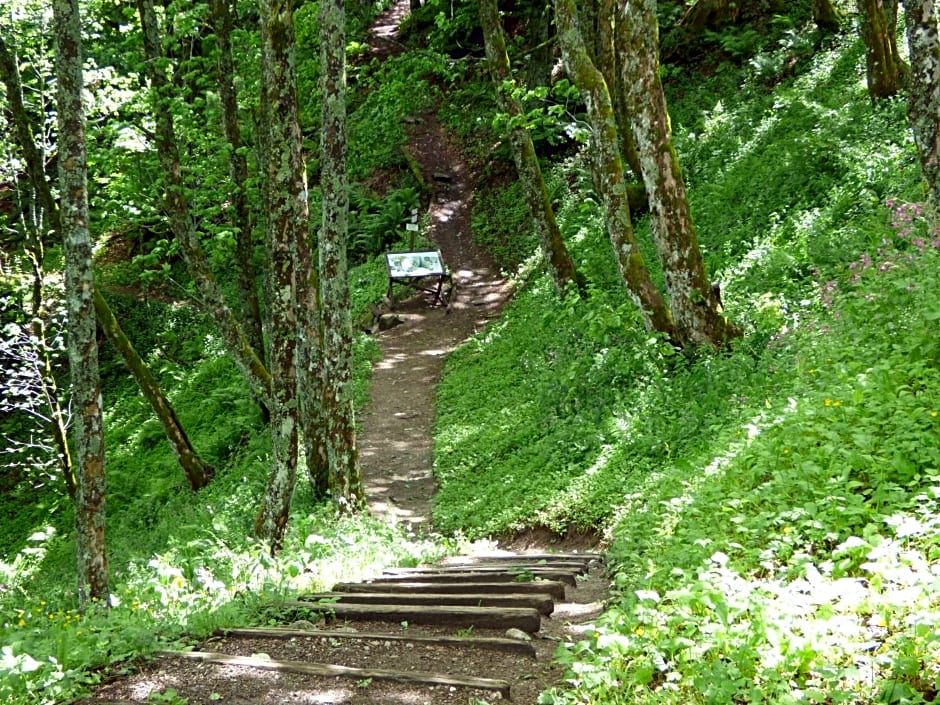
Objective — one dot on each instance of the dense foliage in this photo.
(769, 511)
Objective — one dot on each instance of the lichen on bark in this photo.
(560, 265)
(79, 287)
(924, 96)
(693, 301)
(605, 147)
(346, 485)
(287, 222)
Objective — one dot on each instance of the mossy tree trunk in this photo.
(695, 305)
(337, 410)
(46, 220)
(613, 185)
(221, 18)
(885, 70)
(79, 290)
(198, 472)
(599, 34)
(560, 265)
(826, 16)
(310, 372)
(287, 221)
(181, 221)
(924, 97)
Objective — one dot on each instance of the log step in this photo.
(552, 588)
(540, 559)
(486, 574)
(329, 670)
(525, 618)
(486, 643)
(577, 567)
(585, 557)
(543, 604)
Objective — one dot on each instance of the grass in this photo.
(770, 512)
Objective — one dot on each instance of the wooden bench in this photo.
(419, 271)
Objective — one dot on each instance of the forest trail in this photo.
(396, 427)
(477, 629)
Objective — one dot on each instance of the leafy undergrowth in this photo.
(181, 564)
(770, 511)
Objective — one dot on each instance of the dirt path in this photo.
(303, 664)
(396, 428)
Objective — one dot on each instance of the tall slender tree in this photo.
(613, 184)
(924, 98)
(336, 369)
(560, 265)
(695, 304)
(181, 221)
(80, 286)
(221, 18)
(287, 221)
(598, 31)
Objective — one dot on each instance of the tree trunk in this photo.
(238, 172)
(181, 221)
(198, 472)
(79, 290)
(310, 373)
(539, 69)
(287, 223)
(338, 415)
(826, 16)
(886, 71)
(694, 303)
(613, 186)
(924, 98)
(598, 33)
(560, 265)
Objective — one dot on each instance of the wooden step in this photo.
(525, 618)
(542, 603)
(486, 643)
(497, 556)
(552, 588)
(487, 574)
(577, 567)
(330, 670)
(552, 559)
